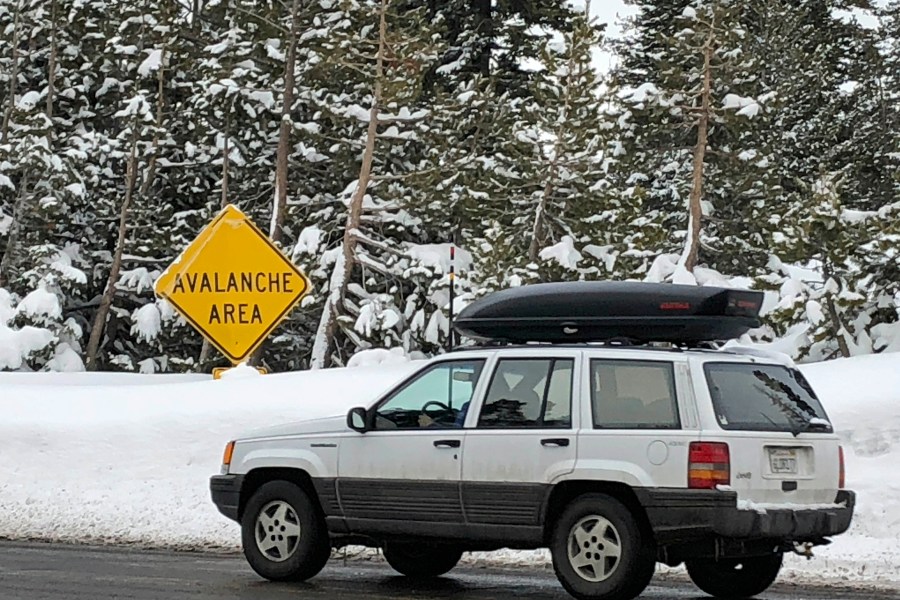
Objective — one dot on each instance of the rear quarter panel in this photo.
(637, 457)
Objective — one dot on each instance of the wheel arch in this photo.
(256, 478)
(565, 492)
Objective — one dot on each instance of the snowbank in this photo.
(119, 458)
(862, 397)
(126, 458)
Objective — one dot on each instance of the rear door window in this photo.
(764, 398)
(529, 393)
(633, 394)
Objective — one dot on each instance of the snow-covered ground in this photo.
(109, 458)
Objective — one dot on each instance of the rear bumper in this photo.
(686, 515)
(788, 524)
(226, 494)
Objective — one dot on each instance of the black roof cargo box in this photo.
(602, 311)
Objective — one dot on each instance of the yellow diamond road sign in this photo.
(232, 284)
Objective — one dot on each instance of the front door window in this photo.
(437, 398)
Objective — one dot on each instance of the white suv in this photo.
(614, 458)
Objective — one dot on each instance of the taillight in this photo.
(709, 465)
(843, 472)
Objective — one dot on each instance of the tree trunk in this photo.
(837, 327)
(12, 241)
(14, 74)
(131, 177)
(51, 66)
(837, 324)
(226, 149)
(538, 226)
(99, 325)
(196, 7)
(284, 135)
(692, 243)
(540, 211)
(485, 34)
(343, 267)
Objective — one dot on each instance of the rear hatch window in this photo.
(753, 397)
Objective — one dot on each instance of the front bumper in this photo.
(226, 494)
(686, 515)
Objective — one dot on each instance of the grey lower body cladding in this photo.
(514, 515)
(484, 513)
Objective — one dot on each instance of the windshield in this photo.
(764, 398)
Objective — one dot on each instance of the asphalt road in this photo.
(57, 572)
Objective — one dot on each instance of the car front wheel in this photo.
(283, 534)
(599, 551)
(421, 561)
(735, 577)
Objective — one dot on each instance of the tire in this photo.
(735, 577)
(421, 560)
(619, 559)
(293, 541)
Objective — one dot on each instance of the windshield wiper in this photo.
(769, 419)
(812, 425)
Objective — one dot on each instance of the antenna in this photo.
(452, 295)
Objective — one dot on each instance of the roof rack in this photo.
(611, 312)
(573, 345)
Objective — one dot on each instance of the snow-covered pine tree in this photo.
(138, 56)
(832, 173)
(235, 117)
(478, 146)
(822, 312)
(550, 190)
(496, 40)
(571, 205)
(312, 162)
(39, 264)
(42, 160)
(495, 122)
(380, 53)
(876, 172)
(688, 107)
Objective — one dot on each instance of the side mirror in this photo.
(357, 419)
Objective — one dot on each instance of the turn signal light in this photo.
(842, 478)
(226, 457)
(709, 465)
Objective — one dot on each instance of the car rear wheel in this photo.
(421, 560)
(283, 533)
(599, 551)
(735, 577)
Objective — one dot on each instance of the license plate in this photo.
(783, 461)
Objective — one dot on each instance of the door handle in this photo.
(447, 443)
(555, 442)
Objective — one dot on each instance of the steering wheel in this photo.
(444, 408)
